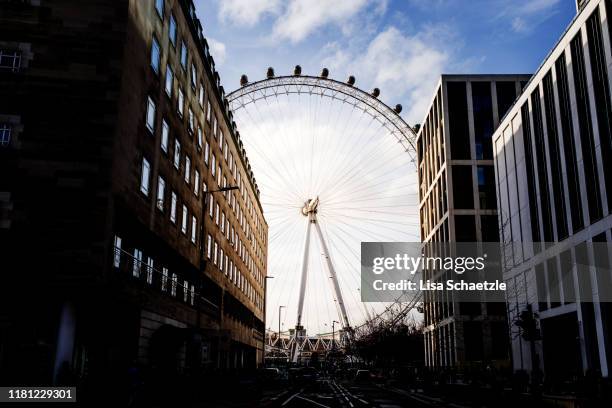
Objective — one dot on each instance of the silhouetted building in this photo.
(553, 156)
(458, 204)
(114, 128)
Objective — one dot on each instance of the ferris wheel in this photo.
(335, 159)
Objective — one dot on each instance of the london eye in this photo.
(336, 167)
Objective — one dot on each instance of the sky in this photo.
(398, 46)
(401, 47)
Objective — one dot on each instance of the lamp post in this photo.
(279, 322)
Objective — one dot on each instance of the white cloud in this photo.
(404, 67)
(524, 15)
(217, 50)
(246, 12)
(302, 17)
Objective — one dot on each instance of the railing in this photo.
(142, 269)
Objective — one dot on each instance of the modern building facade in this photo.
(458, 204)
(118, 249)
(553, 159)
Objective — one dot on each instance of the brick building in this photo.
(117, 247)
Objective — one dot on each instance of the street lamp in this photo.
(279, 322)
(334, 333)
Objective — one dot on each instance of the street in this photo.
(327, 393)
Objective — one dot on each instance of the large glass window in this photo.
(173, 207)
(10, 60)
(486, 187)
(540, 154)
(555, 157)
(482, 105)
(155, 55)
(5, 134)
(159, 7)
(458, 120)
(586, 129)
(180, 102)
(506, 94)
(165, 135)
(169, 80)
(184, 220)
(194, 224)
(161, 187)
(151, 115)
(172, 30)
(569, 146)
(144, 177)
(529, 166)
(601, 91)
(183, 55)
(187, 169)
(177, 154)
(463, 194)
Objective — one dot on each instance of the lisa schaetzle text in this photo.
(390, 271)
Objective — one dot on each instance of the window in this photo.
(221, 256)
(172, 30)
(164, 282)
(225, 151)
(173, 208)
(161, 186)
(201, 99)
(164, 136)
(159, 7)
(151, 115)
(191, 121)
(174, 284)
(117, 252)
(177, 153)
(137, 262)
(458, 120)
(221, 140)
(185, 290)
(213, 167)
(184, 220)
(196, 183)
(194, 76)
(215, 127)
(5, 134)
(211, 206)
(155, 55)
(209, 246)
(219, 176)
(183, 55)
(208, 111)
(200, 138)
(149, 270)
(223, 222)
(217, 214)
(180, 102)
(206, 153)
(194, 224)
(10, 60)
(187, 169)
(192, 294)
(144, 177)
(169, 79)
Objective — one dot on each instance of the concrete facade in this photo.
(553, 160)
(457, 204)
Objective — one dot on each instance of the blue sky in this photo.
(399, 46)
